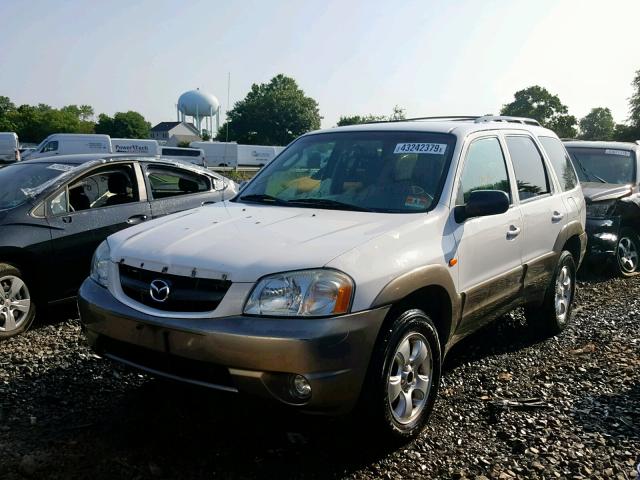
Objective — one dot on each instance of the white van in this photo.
(191, 155)
(9, 152)
(71, 143)
(230, 154)
(135, 146)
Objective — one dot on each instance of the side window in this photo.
(105, 187)
(531, 176)
(560, 161)
(170, 182)
(484, 169)
(58, 204)
(50, 146)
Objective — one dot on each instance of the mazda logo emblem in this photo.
(159, 290)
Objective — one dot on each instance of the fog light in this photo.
(300, 387)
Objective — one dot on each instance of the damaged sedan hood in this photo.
(243, 242)
(598, 192)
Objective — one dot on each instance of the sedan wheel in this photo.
(15, 303)
(627, 252)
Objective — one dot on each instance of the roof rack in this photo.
(456, 118)
(505, 118)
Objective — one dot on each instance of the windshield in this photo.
(20, 181)
(604, 165)
(398, 172)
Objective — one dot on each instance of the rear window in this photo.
(178, 152)
(531, 175)
(604, 165)
(561, 162)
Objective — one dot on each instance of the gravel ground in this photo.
(64, 413)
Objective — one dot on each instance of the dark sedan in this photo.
(54, 212)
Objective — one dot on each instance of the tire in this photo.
(383, 402)
(17, 308)
(553, 315)
(627, 256)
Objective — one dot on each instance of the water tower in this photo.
(201, 106)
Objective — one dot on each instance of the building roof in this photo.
(167, 126)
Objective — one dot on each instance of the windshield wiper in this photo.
(263, 198)
(325, 202)
(588, 173)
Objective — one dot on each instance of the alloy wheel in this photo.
(564, 290)
(15, 303)
(627, 254)
(410, 378)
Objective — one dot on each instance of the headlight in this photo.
(600, 209)
(305, 293)
(100, 264)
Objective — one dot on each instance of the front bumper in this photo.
(245, 354)
(602, 237)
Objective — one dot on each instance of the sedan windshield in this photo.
(604, 165)
(396, 172)
(21, 181)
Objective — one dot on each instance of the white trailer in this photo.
(135, 146)
(71, 143)
(9, 147)
(231, 154)
(191, 155)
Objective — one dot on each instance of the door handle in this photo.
(513, 232)
(557, 216)
(207, 202)
(67, 219)
(136, 219)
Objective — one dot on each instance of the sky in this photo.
(430, 57)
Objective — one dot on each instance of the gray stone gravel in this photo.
(64, 413)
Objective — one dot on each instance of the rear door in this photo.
(86, 211)
(173, 189)
(544, 211)
(489, 248)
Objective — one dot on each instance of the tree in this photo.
(272, 113)
(634, 102)
(538, 103)
(397, 114)
(358, 119)
(7, 115)
(598, 124)
(123, 125)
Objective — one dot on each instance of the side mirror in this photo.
(482, 203)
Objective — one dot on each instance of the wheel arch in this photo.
(429, 289)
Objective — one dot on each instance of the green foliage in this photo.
(398, 114)
(598, 124)
(183, 144)
(634, 102)
(626, 133)
(7, 115)
(538, 103)
(123, 125)
(273, 113)
(205, 135)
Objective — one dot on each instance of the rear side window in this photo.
(560, 161)
(531, 176)
(50, 146)
(484, 169)
(177, 152)
(170, 182)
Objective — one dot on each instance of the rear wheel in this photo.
(17, 309)
(627, 253)
(404, 376)
(553, 315)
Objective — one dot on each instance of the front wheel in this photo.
(17, 309)
(627, 253)
(553, 315)
(404, 376)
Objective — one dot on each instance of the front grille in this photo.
(186, 294)
(164, 363)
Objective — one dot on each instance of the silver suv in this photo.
(346, 269)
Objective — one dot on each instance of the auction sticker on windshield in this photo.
(622, 153)
(434, 148)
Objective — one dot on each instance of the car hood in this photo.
(597, 192)
(244, 242)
